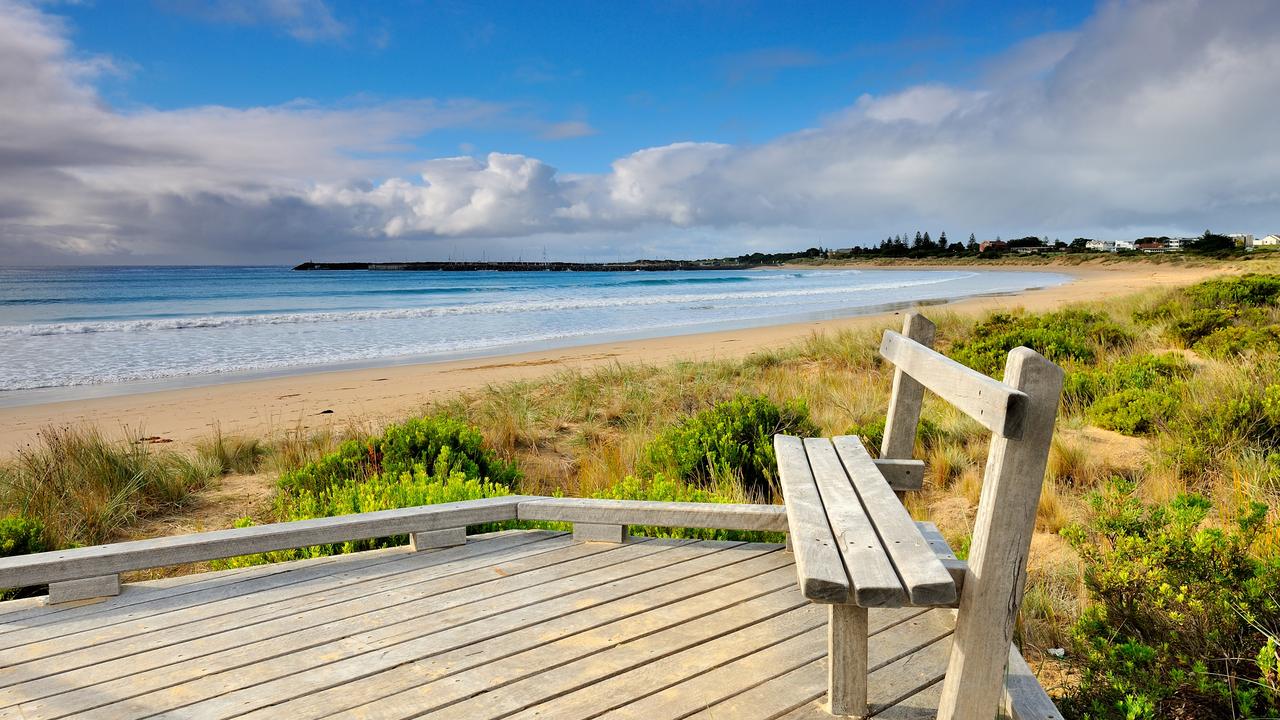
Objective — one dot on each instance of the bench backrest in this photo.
(1020, 412)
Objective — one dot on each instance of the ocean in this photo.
(123, 327)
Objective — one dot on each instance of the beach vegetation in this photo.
(84, 488)
(733, 440)
(232, 454)
(1183, 613)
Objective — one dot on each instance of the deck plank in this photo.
(538, 626)
(359, 627)
(240, 605)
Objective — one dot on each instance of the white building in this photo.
(1100, 246)
(1178, 244)
(1124, 245)
(1268, 241)
(1245, 239)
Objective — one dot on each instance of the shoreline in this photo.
(386, 392)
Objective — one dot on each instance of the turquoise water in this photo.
(65, 327)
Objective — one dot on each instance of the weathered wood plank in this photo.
(41, 568)
(907, 397)
(927, 582)
(101, 587)
(149, 643)
(724, 516)
(1001, 540)
(873, 580)
(704, 674)
(1024, 698)
(547, 672)
(902, 474)
(436, 604)
(955, 566)
(995, 405)
(764, 571)
(595, 532)
(432, 539)
(907, 657)
(265, 673)
(819, 569)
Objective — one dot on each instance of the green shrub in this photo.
(20, 536)
(380, 492)
(439, 442)
(1251, 290)
(1134, 411)
(730, 440)
(1231, 342)
(1182, 617)
(871, 432)
(662, 488)
(1135, 395)
(1190, 327)
(1233, 413)
(1060, 336)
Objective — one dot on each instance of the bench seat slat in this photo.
(926, 580)
(872, 577)
(819, 568)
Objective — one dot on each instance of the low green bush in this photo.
(1251, 290)
(1066, 335)
(1134, 411)
(1232, 342)
(440, 442)
(730, 440)
(20, 536)
(1230, 414)
(1182, 616)
(380, 492)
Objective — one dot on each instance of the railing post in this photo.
(430, 539)
(903, 419)
(102, 586)
(598, 532)
(994, 583)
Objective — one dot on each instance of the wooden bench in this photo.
(856, 547)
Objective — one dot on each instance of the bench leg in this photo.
(847, 660)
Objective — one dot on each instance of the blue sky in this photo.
(633, 74)
(231, 131)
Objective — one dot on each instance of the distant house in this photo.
(1124, 245)
(993, 245)
(1100, 246)
(1268, 241)
(1178, 244)
(1149, 245)
(1244, 240)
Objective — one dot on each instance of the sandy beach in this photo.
(377, 395)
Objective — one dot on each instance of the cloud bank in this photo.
(1151, 115)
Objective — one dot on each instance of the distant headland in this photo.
(461, 266)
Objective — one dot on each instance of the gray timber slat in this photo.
(246, 655)
(375, 644)
(41, 568)
(954, 565)
(252, 617)
(995, 405)
(819, 569)
(764, 570)
(727, 516)
(517, 682)
(1024, 698)
(874, 582)
(902, 474)
(907, 657)
(681, 693)
(926, 580)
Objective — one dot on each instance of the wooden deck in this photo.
(520, 624)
